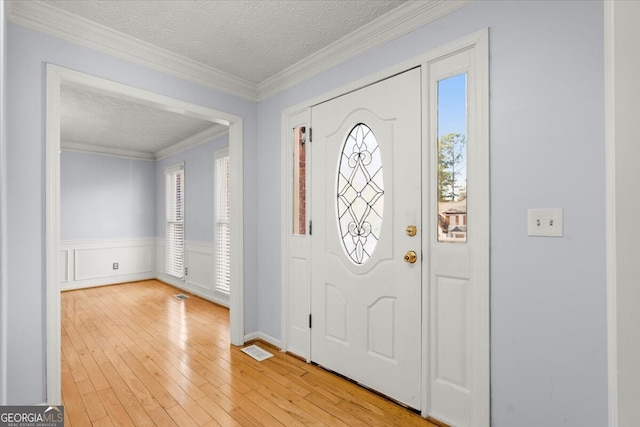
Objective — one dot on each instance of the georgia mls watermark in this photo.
(31, 416)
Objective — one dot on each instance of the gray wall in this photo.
(106, 197)
(548, 300)
(27, 53)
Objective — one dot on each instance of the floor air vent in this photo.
(257, 353)
(180, 296)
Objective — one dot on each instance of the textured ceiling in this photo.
(102, 121)
(252, 40)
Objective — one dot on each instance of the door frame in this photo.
(479, 42)
(621, 133)
(56, 77)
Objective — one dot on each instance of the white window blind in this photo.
(223, 236)
(174, 256)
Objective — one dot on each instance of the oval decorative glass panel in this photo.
(360, 197)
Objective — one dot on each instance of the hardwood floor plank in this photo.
(93, 371)
(321, 402)
(247, 412)
(75, 410)
(245, 419)
(181, 417)
(217, 413)
(287, 396)
(199, 415)
(161, 418)
(218, 397)
(282, 415)
(85, 386)
(126, 397)
(103, 422)
(117, 413)
(124, 372)
(93, 405)
(133, 355)
(75, 364)
(149, 381)
(179, 372)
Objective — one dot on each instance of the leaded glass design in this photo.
(360, 197)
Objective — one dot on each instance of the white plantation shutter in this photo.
(223, 236)
(174, 256)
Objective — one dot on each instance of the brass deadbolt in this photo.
(411, 230)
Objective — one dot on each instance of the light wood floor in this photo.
(132, 354)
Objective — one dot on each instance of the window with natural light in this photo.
(223, 235)
(452, 159)
(174, 255)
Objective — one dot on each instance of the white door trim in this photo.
(56, 76)
(622, 202)
(3, 213)
(609, 104)
(479, 42)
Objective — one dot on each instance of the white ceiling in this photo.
(251, 40)
(95, 122)
(250, 48)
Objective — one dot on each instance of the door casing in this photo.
(479, 410)
(56, 76)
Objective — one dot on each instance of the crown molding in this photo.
(109, 151)
(390, 26)
(192, 141)
(48, 19)
(43, 17)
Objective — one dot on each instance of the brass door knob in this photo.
(411, 230)
(410, 257)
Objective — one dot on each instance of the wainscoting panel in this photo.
(200, 261)
(63, 266)
(200, 268)
(87, 263)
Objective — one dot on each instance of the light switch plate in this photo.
(545, 222)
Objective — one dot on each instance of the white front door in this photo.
(366, 191)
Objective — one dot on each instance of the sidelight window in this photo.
(299, 180)
(452, 159)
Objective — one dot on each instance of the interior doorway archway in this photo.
(56, 77)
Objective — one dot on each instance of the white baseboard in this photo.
(187, 286)
(263, 337)
(113, 280)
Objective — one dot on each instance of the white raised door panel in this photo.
(367, 309)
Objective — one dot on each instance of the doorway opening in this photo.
(58, 76)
